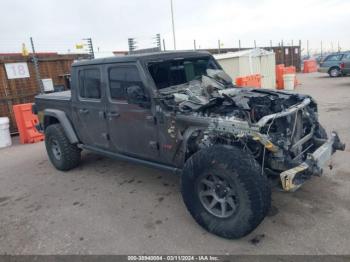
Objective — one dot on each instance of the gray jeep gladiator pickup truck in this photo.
(180, 112)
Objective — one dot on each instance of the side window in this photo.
(90, 83)
(346, 57)
(333, 58)
(122, 77)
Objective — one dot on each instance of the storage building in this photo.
(250, 62)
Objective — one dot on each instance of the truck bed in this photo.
(57, 100)
(65, 95)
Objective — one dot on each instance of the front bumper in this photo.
(293, 178)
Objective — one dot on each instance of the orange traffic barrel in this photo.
(310, 66)
(279, 76)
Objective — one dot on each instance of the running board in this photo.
(131, 159)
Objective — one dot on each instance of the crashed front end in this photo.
(297, 153)
(280, 129)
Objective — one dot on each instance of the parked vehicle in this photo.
(180, 112)
(336, 64)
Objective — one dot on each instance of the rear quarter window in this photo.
(346, 57)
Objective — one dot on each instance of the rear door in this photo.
(89, 107)
(346, 61)
(332, 60)
(132, 127)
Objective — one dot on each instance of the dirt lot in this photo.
(113, 207)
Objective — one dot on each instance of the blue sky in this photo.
(57, 25)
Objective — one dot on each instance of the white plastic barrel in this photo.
(5, 138)
(288, 80)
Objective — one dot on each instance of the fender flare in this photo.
(184, 144)
(64, 121)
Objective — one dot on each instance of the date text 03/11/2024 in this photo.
(173, 258)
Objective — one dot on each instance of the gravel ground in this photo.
(113, 207)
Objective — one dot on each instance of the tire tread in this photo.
(70, 152)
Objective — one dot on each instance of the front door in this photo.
(89, 108)
(132, 127)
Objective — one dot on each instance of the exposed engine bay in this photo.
(280, 129)
(219, 98)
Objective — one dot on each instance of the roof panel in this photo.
(143, 57)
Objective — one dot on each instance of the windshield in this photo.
(179, 71)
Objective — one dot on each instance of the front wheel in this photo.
(225, 192)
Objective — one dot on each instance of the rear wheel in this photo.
(62, 154)
(334, 72)
(225, 192)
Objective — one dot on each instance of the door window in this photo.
(90, 84)
(122, 77)
(333, 58)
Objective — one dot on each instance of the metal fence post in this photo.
(36, 67)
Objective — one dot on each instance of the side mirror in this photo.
(136, 95)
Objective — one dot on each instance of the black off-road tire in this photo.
(244, 173)
(57, 141)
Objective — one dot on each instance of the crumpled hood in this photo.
(211, 98)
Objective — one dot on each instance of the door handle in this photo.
(83, 111)
(113, 114)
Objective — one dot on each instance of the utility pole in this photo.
(36, 67)
(283, 52)
(321, 50)
(194, 45)
(239, 44)
(219, 45)
(90, 47)
(307, 48)
(254, 43)
(172, 21)
(271, 44)
(164, 45)
(292, 53)
(299, 53)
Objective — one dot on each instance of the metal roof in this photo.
(143, 57)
